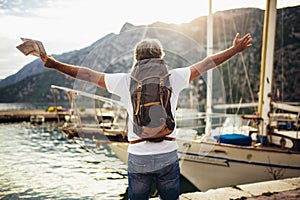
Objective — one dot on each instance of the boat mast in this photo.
(209, 51)
(267, 57)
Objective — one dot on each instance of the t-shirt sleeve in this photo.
(116, 83)
(180, 78)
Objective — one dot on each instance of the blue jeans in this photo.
(161, 169)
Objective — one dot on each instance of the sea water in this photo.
(38, 162)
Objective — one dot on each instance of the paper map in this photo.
(32, 47)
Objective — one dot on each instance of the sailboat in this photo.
(237, 159)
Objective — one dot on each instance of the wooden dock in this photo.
(9, 116)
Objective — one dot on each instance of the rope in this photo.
(55, 104)
(244, 65)
(181, 158)
(93, 154)
(101, 117)
(227, 64)
(282, 58)
(247, 78)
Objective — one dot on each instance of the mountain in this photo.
(36, 67)
(184, 44)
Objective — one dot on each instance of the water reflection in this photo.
(39, 163)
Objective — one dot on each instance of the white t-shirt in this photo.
(119, 84)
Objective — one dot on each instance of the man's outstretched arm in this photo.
(78, 72)
(214, 60)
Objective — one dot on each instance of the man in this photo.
(148, 161)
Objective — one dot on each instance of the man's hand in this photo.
(243, 43)
(217, 59)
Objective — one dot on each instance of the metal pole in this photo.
(267, 62)
(209, 51)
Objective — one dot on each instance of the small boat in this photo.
(37, 119)
(105, 123)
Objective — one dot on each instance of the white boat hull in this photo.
(120, 149)
(210, 165)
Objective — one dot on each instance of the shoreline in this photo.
(12, 116)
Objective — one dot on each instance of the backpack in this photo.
(150, 92)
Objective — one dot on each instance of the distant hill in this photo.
(36, 66)
(184, 44)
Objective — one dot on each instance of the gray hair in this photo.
(148, 48)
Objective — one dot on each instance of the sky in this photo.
(66, 25)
